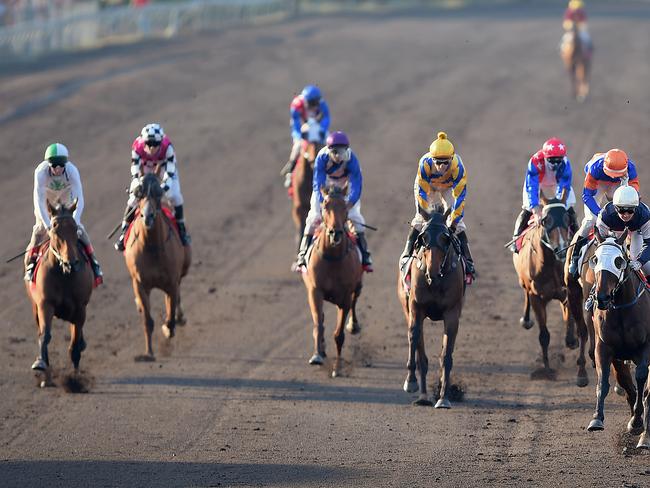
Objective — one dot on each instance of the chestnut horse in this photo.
(62, 287)
(622, 333)
(577, 60)
(437, 292)
(334, 274)
(155, 258)
(303, 176)
(539, 267)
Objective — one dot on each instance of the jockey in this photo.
(309, 104)
(605, 172)
(152, 152)
(575, 15)
(441, 174)
(336, 165)
(57, 180)
(548, 173)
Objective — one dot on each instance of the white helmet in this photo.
(152, 132)
(626, 196)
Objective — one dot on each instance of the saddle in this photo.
(168, 213)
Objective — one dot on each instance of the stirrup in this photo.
(119, 245)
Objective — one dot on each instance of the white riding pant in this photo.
(447, 199)
(314, 217)
(589, 220)
(549, 191)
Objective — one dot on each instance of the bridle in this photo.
(546, 239)
(623, 274)
(66, 267)
(446, 249)
(335, 237)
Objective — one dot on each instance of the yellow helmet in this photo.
(576, 4)
(441, 147)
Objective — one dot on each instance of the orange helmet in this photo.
(615, 163)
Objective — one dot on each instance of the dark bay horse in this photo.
(303, 176)
(539, 267)
(62, 287)
(333, 274)
(437, 292)
(577, 60)
(622, 333)
(156, 258)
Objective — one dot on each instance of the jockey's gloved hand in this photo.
(452, 228)
(635, 265)
(164, 187)
(537, 211)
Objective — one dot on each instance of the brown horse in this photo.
(539, 266)
(577, 60)
(334, 274)
(437, 292)
(156, 258)
(302, 181)
(622, 333)
(62, 287)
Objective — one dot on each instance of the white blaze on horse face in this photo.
(610, 257)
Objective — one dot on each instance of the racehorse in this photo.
(577, 60)
(437, 292)
(156, 258)
(303, 176)
(622, 333)
(62, 286)
(333, 274)
(539, 267)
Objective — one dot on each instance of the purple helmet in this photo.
(337, 138)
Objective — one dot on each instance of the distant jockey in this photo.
(549, 174)
(575, 15)
(441, 175)
(152, 152)
(310, 104)
(57, 180)
(605, 172)
(336, 165)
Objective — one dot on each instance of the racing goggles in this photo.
(152, 143)
(339, 153)
(556, 161)
(57, 161)
(441, 161)
(625, 210)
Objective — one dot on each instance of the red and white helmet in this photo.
(554, 148)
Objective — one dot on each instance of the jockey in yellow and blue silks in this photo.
(440, 174)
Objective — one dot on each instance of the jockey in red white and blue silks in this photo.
(548, 174)
(604, 173)
(307, 108)
(336, 165)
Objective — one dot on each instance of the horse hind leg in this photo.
(339, 339)
(539, 307)
(42, 363)
(644, 440)
(181, 320)
(446, 360)
(77, 343)
(525, 321)
(423, 367)
(624, 380)
(316, 307)
(416, 319)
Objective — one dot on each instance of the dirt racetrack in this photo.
(231, 401)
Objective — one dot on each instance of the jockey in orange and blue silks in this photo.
(441, 175)
(604, 173)
(548, 174)
(575, 16)
(310, 120)
(153, 152)
(336, 165)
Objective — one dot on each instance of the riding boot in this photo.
(366, 259)
(128, 218)
(185, 237)
(301, 261)
(464, 249)
(573, 221)
(97, 270)
(410, 244)
(573, 268)
(520, 226)
(30, 265)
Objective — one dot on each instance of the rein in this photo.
(65, 266)
(443, 265)
(621, 281)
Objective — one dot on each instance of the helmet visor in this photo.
(625, 210)
(441, 161)
(57, 161)
(152, 143)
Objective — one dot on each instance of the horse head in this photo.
(609, 264)
(64, 237)
(555, 225)
(335, 213)
(436, 242)
(149, 194)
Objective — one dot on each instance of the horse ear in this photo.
(73, 207)
(324, 191)
(621, 239)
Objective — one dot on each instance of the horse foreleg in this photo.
(77, 343)
(339, 337)
(539, 307)
(169, 327)
(423, 368)
(603, 361)
(570, 339)
(574, 301)
(525, 321)
(316, 306)
(416, 318)
(142, 302)
(446, 357)
(624, 380)
(641, 371)
(44, 322)
(353, 324)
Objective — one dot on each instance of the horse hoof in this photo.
(352, 327)
(526, 324)
(633, 428)
(619, 390)
(316, 360)
(145, 358)
(411, 386)
(644, 442)
(335, 374)
(582, 381)
(571, 343)
(181, 321)
(39, 365)
(443, 403)
(422, 402)
(167, 332)
(595, 425)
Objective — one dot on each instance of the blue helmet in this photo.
(311, 93)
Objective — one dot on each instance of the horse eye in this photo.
(619, 262)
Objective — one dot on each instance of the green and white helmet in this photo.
(56, 154)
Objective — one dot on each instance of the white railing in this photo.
(123, 24)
